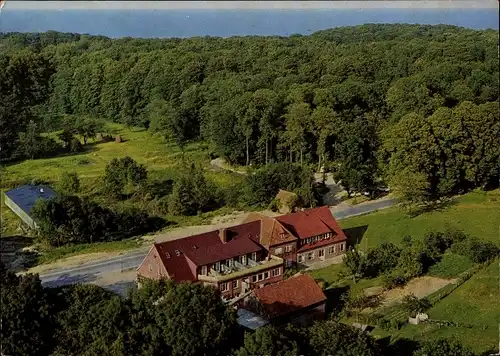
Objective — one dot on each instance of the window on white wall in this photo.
(342, 247)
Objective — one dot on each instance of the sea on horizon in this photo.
(226, 23)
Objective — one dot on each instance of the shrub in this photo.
(435, 243)
(384, 324)
(275, 205)
(69, 183)
(413, 304)
(477, 251)
(396, 324)
(68, 219)
(453, 235)
(192, 193)
(381, 259)
(123, 173)
(393, 280)
(75, 145)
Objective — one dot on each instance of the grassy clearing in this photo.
(476, 213)
(450, 266)
(475, 302)
(162, 159)
(9, 222)
(334, 275)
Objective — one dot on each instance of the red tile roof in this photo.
(290, 295)
(207, 248)
(312, 222)
(272, 232)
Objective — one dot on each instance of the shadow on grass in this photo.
(355, 234)
(437, 206)
(160, 187)
(335, 300)
(400, 347)
(492, 351)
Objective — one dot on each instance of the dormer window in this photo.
(167, 255)
(177, 252)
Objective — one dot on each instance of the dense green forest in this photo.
(414, 105)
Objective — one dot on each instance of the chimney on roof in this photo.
(223, 235)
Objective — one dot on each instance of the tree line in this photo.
(413, 105)
(398, 265)
(164, 318)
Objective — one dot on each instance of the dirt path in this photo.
(219, 163)
(420, 287)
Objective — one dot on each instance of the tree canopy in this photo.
(416, 105)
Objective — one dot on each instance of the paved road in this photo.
(90, 272)
(363, 208)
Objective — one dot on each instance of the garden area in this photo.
(456, 284)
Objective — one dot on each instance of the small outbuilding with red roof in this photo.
(298, 300)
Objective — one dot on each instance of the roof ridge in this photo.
(324, 223)
(284, 228)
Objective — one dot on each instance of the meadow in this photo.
(162, 159)
(476, 213)
(474, 302)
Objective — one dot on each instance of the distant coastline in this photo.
(150, 23)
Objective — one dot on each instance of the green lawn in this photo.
(475, 302)
(160, 157)
(477, 213)
(450, 266)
